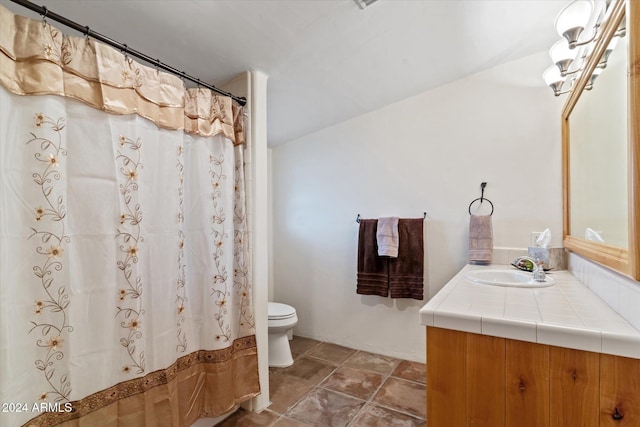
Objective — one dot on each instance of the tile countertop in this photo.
(567, 314)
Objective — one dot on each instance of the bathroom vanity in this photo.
(555, 356)
(541, 356)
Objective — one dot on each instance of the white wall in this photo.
(427, 153)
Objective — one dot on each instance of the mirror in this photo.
(600, 150)
(598, 156)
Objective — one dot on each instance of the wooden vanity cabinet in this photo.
(485, 381)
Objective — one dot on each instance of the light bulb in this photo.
(593, 78)
(573, 19)
(552, 75)
(562, 56)
(553, 79)
(607, 53)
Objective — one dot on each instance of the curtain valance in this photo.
(36, 59)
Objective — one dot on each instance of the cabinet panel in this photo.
(485, 381)
(476, 380)
(446, 385)
(574, 387)
(527, 379)
(619, 391)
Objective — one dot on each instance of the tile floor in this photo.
(334, 386)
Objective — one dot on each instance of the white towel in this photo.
(387, 236)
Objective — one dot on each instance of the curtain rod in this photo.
(46, 13)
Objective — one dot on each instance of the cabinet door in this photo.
(485, 381)
(446, 385)
(619, 391)
(574, 387)
(527, 378)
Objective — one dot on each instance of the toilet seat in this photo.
(279, 311)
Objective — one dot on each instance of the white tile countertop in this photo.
(567, 314)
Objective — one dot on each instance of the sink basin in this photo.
(516, 279)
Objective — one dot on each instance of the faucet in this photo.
(538, 271)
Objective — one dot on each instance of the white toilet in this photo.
(282, 319)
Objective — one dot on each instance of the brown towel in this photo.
(373, 271)
(406, 273)
(480, 239)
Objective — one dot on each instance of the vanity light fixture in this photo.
(577, 18)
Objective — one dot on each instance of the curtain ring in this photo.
(156, 65)
(87, 30)
(126, 51)
(44, 16)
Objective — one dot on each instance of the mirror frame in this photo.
(625, 261)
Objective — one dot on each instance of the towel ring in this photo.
(481, 200)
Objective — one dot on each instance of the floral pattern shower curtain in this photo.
(125, 285)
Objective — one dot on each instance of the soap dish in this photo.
(525, 264)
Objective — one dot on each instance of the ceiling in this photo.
(327, 60)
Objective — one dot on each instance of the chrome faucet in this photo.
(538, 271)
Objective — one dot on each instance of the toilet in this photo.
(282, 319)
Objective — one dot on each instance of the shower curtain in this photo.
(125, 282)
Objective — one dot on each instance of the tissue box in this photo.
(552, 258)
(539, 254)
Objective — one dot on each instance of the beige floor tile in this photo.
(308, 369)
(285, 391)
(404, 396)
(325, 408)
(375, 416)
(331, 352)
(300, 345)
(243, 418)
(329, 386)
(288, 422)
(412, 371)
(354, 382)
(372, 362)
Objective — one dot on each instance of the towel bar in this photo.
(358, 218)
